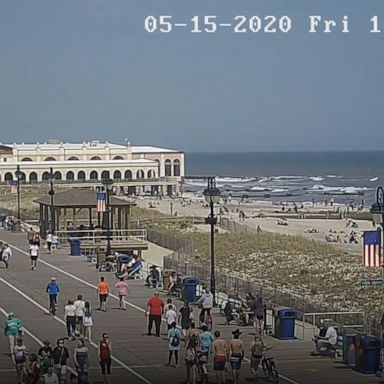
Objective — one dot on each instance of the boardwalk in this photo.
(137, 358)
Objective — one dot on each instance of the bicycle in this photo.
(52, 304)
(269, 368)
(201, 367)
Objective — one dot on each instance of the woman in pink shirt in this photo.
(122, 290)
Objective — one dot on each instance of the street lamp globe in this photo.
(18, 174)
(107, 183)
(212, 195)
(377, 211)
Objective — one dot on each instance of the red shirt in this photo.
(156, 306)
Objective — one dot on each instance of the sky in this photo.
(78, 70)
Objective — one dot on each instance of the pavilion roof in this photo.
(79, 198)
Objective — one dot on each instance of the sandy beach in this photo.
(317, 229)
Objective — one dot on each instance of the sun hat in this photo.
(53, 278)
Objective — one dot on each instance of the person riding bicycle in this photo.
(53, 290)
(205, 303)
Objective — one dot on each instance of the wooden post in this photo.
(90, 217)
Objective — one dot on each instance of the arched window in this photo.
(70, 176)
(26, 159)
(128, 175)
(93, 176)
(57, 175)
(117, 175)
(8, 176)
(140, 174)
(104, 175)
(168, 168)
(81, 176)
(33, 177)
(95, 158)
(118, 158)
(151, 174)
(73, 158)
(46, 176)
(176, 168)
(50, 159)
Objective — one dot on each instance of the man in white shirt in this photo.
(330, 339)
(80, 305)
(170, 316)
(6, 255)
(34, 252)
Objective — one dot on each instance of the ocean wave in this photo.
(261, 189)
(317, 178)
(323, 188)
(235, 179)
(374, 179)
(289, 177)
(279, 190)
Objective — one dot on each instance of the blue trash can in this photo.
(75, 247)
(189, 289)
(369, 361)
(286, 324)
(349, 350)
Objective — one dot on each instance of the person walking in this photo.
(185, 318)
(80, 357)
(105, 352)
(257, 348)
(220, 353)
(103, 292)
(12, 329)
(174, 338)
(60, 356)
(70, 319)
(30, 235)
(34, 253)
(88, 321)
(192, 346)
(155, 309)
(53, 290)
(48, 241)
(122, 290)
(6, 255)
(19, 357)
(258, 309)
(170, 316)
(50, 376)
(79, 304)
(236, 352)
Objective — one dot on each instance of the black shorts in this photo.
(105, 366)
(103, 298)
(34, 258)
(79, 320)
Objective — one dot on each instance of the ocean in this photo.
(343, 177)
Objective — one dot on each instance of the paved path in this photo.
(137, 357)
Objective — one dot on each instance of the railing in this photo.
(354, 321)
(99, 235)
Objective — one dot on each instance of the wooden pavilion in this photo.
(78, 206)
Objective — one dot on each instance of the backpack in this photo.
(257, 350)
(175, 341)
(190, 355)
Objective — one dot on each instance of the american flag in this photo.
(372, 249)
(101, 201)
(14, 186)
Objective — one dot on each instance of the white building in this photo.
(136, 169)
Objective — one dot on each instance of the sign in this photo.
(372, 283)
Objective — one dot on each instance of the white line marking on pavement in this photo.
(111, 295)
(32, 336)
(115, 359)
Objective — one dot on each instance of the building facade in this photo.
(134, 169)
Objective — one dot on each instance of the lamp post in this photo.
(19, 176)
(377, 209)
(108, 183)
(51, 193)
(212, 197)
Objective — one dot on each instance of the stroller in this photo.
(128, 267)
